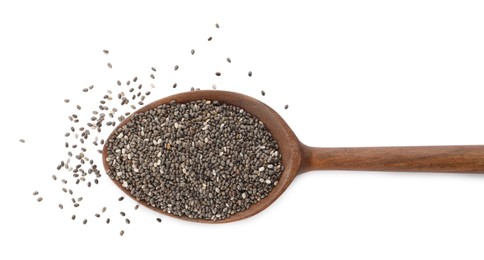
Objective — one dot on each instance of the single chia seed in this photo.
(121, 233)
(218, 74)
(158, 219)
(35, 193)
(192, 51)
(84, 222)
(209, 38)
(105, 51)
(176, 67)
(229, 60)
(39, 199)
(263, 93)
(22, 140)
(250, 73)
(202, 159)
(286, 106)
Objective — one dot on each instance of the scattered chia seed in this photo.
(250, 73)
(84, 222)
(206, 159)
(121, 233)
(176, 67)
(209, 38)
(22, 140)
(122, 213)
(174, 85)
(66, 100)
(110, 65)
(105, 51)
(136, 207)
(121, 198)
(35, 193)
(118, 82)
(97, 215)
(158, 219)
(153, 69)
(60, 206)
(192, 51)
(39, 199)
(108, 220)
(78, 107)
(217, 26)
(229, 60)
(73, 217)
(218, 73)
(127, 221)
(85, 90)
(263, 93)
(286, 106)
(103, 210)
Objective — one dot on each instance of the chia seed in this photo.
(202, 159)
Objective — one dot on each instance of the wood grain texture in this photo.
(457, 159)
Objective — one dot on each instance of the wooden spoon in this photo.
(298, 158)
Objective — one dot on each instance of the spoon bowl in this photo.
(298, 158)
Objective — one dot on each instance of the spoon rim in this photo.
(289, 145)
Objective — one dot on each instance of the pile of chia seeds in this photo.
(202, 159)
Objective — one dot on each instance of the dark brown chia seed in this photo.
(229, 60)
(263, 93)
(192, 51)
(61, 206)
(105, 51)
(209, 38)
(217, 26)
(66, 100)
(127, 221)
(108, 220)
(22, 140)
(121, 233)
(121, 198)
(174, 85)
(158, 219)
(73, 217)
(39, 199)
(84, 222)
(122, 213)
(35, 193)
(218, 73)
(286, 106)
(176, 67)
(202, 159)
(110, 65)
(250, 73)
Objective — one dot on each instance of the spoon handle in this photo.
(459, 159)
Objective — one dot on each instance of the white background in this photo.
(354, 73)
